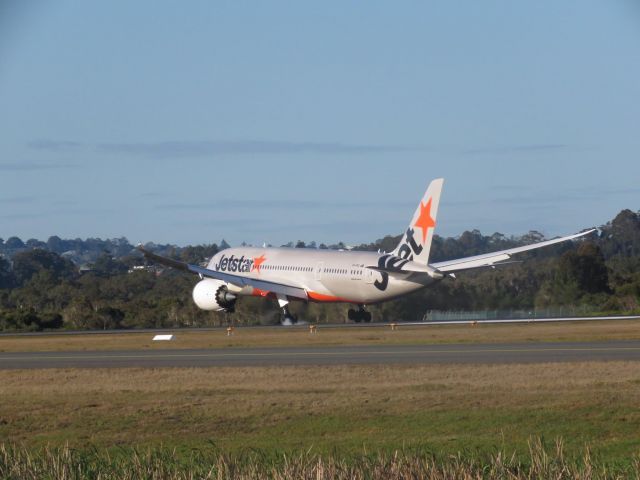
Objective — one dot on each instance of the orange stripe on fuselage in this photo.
(319, 297)
(313, 296)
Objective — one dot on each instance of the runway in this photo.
(380, 354)
(324, 326)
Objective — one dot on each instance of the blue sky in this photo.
(187, 122)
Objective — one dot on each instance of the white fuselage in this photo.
(326, 275)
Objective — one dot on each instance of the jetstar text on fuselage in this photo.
(235, 264)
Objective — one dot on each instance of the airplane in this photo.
(353, 277)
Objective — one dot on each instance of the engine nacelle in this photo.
(213, 295)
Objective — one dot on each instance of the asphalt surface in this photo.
(381, 354)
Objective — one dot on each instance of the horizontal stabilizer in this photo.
(395, 265)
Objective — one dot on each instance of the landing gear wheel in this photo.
(360, 315)
(287, 317)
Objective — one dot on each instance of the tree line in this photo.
(50, 285)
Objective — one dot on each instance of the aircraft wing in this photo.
(497, 258)
(265, 286)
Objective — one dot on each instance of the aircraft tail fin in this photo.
(416, 241)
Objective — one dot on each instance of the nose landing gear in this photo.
(360, 315)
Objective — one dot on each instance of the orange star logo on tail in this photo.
(425, 221)
(257, 263)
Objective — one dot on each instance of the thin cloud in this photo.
(277, 204)
(240, 147)
(62, 210)
(23, 216)
(202, 148)
(83, 211)
(546, 198)
(509, 149)
(237, 224)
(154, 194)
(231, 203)
(55, 145)
(615, 191)
(33, 166)
(18, 199)
(511, 188)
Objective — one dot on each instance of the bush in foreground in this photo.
(64, 463)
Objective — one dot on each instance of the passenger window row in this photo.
(289, 268)
(294, 268)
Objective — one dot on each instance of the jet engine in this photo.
(214, 295)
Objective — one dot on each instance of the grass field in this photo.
(279, 336)
(325, 416)
(347, 409)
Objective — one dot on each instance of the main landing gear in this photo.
(360, 315)
(287, 317)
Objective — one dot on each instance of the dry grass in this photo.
(542, 462)
(278, 336)
(446, 408)
(557, 377)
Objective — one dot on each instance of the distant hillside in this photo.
(86, 252)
